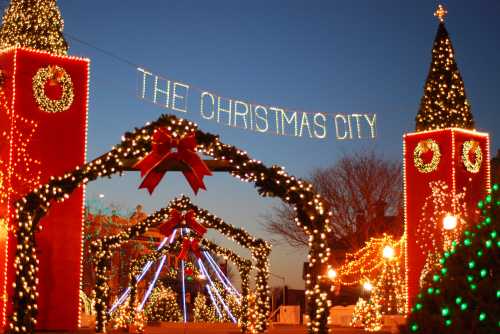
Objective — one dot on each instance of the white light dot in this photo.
(449, 222)
(388, 252)
(332, 274)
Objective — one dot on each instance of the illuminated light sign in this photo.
(259, 118)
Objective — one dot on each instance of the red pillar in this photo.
(43, 123)
(460, 161)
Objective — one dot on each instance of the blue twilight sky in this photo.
(332, 56)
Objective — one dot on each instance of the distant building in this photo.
(293, 297)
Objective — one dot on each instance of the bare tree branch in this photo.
(364, 193)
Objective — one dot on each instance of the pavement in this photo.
(214, 329)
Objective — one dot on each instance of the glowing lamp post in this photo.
(388, 252)
(449, 222)
(332, 274)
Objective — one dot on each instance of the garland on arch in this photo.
(259, 250)
(103, 251)
(310, 209)
(244, 266)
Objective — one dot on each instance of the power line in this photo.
(103, 51)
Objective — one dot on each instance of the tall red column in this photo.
(43, 122)
(458, 161)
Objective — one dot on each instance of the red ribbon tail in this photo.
(151, 180)
(194, 181)
(196, 163)
(197, 228)
(184, 250)
(147, 163)
(197, 170)
(168, 227)
(195, 247)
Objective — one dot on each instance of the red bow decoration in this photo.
(176, 219)
(187, 245)
(154, 165)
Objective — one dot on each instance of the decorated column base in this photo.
(43, 120)
(446, 172)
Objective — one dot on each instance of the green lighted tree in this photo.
(230, 300)
(163, 305)
(35, 24)
(464, 296)
(203, 312)
(388, 289)
(444, 103)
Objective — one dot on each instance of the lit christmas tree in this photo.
(366, 315)
(444, 103)
(124, 319)
(464, 294)
(387, 296)
(233, 302)
(388, 291)
(203, 312)
(35, 24)
(163, 305)
(229, 299)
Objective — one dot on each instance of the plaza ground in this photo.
(224, 329)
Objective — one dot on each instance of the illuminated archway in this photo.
(103, 247)
(310, 208)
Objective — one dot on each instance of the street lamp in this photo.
(449, 222)
(388, 252)
(332, 274)
(367, 286)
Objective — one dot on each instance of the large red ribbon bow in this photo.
(187, 245)
(167, 149)
(176, 219)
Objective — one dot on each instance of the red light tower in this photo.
(43, 121)
(446, 164)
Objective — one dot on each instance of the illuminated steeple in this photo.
(444, 103)
(35, 24)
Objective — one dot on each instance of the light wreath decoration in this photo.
(422, 147)
(309, 206)
(54, 75)
(244, 266)
(468, 146)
